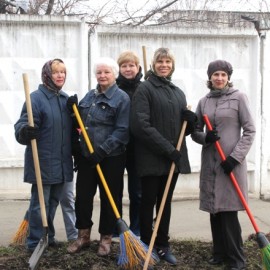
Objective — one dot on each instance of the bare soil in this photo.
(191, 254)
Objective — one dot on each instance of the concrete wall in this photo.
(27, 42)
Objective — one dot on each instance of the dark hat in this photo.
(219, 65)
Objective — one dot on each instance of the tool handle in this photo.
(232, 177)
(144, 59)
(35, 152)
(165, 194)
(91, 150)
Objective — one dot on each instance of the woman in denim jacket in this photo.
(105, 114)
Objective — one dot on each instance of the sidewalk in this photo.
(187, 221)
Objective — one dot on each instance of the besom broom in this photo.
(262, 241)
(133, 251)
(21, 234)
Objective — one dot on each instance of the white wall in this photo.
(27, 42)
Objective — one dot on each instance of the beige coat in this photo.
(230, 115)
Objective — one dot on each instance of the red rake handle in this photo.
(232, 177)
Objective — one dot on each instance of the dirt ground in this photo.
(190, 254)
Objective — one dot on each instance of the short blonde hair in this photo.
(160, 53)
(128, 56)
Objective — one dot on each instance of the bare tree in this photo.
(148, 12)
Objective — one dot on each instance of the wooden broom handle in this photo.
(232, 177)
(144, 59)
(164, 197)
(35, 152)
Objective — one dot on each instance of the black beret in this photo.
(219, 65)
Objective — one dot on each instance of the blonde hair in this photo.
(160, 53)
(57, 63)
(128, 56)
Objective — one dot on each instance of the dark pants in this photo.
(152, 192)
(87, 182)
(227, 239)
(134, 191)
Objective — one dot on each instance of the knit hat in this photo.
(219, 65)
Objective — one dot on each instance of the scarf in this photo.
(46, 76)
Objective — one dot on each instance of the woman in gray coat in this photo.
(228, 111)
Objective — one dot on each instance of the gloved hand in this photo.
(175, 156)
(229, 164)
(28, 133)
(189, 116)
(96, 157)
(72, 100)
(211, 136)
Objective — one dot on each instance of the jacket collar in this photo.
(109, 92)
(48, 93)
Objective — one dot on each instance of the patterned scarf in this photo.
(46, 76)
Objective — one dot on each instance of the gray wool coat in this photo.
(230, 115)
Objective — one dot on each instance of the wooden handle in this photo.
(35, 152)
(164, 197)
(144, 59)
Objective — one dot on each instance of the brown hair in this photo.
(160, 53)
(128, 56)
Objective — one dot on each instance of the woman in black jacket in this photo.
(128, 80)
(157, 114)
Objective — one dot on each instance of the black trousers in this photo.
(227, 238)
(152, 192)
(87, 182)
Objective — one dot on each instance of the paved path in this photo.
(187, 222)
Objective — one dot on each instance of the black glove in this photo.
(189, 116)
(229, 164)
(175, 156)
(96, 157)
(28, 133)
(211, 136)
(72, 100)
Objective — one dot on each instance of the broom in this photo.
(163, 201)
(21, 234)
(262, 241)
(132, 250)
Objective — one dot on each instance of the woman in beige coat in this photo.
(228, 111)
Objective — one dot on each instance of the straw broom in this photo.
(21, 234)
(262, 241)
(132, 250)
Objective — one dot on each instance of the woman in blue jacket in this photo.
(53, 132)
(105, 114)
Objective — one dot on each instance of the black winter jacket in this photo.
(156, 122)
(129, 86)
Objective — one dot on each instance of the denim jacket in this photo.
(106, 119)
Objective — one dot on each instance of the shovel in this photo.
(43, 243)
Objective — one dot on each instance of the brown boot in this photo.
(104, 245)
(82, 241)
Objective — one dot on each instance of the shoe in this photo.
(166, 255)
(54, 244)
(83, 241)
(104, 247)
(215, 261)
